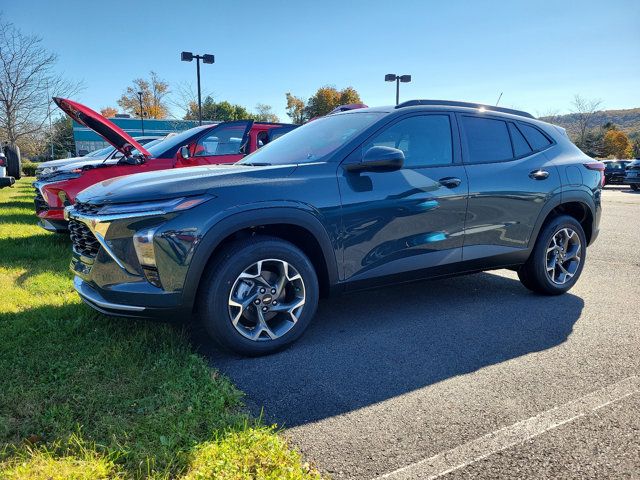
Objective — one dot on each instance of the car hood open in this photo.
(173, 183)
(121, 140)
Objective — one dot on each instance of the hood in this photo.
(179, 182)
(121, 140)
(66, 161)
(58, 163)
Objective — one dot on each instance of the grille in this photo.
(38, 200)
(84, 242)
(86, 208)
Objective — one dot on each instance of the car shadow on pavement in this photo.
(370, 346)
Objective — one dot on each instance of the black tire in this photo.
(635, 187)
(533, 274)
(221, 275)
(14, 164)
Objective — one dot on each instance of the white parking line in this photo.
(480, 448)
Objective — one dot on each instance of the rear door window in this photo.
(535, 137)
(487, 140)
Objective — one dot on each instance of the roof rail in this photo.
(454, 103)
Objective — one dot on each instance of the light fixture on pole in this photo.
(392, 77)
(141, 112)
(188, 57)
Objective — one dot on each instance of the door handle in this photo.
(539, 174)
(450, 182)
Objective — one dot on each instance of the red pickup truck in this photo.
(225, 142)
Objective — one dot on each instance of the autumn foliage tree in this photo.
(154, 90)
(327, 98)
(295, 108)
(109, 112)
(617, 144)
(322, 102)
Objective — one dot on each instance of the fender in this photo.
(558, 199)
(255, 216)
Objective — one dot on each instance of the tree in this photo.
(109, 112)
(221, 111)
(61, 137)
(635, 149)
(584, 109)
(153, 91)
(593, 143)
(327, 98)
(295, 109)
(616, 144)
(264, 113)
(27, 84)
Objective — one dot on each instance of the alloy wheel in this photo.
(266, 300)
(564, 253)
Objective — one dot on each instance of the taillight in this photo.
(3, 163)
(597, 166)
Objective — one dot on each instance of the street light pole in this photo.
(141, 112)
(392, 77)
(199, 94)
(188, 57)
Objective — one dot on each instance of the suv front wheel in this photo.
(259, 295)
(557, 259)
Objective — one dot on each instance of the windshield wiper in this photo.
(256, 164)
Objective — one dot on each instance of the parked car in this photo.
(46, 169)
(204, 145)
(350, 201)
(5, 180)
(614, 171)
(632, 175)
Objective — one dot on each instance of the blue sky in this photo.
(539, 53)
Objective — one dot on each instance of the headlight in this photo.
(154, 208)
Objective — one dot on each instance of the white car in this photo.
(107, 153)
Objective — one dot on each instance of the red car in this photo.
(225, 142)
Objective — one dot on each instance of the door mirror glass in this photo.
(184, 152)
(378, 159)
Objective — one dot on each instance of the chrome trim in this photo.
(87, 218)
(84, 293)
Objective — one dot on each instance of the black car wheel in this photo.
(258, 296)
(14, 164)
(635, 187)
(557, 259)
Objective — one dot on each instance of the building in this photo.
(87, 140)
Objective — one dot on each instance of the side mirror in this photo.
(378, 159)
(184, 152)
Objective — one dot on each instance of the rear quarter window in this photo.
(535, 137)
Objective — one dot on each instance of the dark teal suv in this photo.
(350, 201)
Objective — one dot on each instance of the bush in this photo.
(29, 168)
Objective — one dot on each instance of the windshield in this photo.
(313, 141)
(173, 142)
(103, 152)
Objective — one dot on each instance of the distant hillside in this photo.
(626, 120)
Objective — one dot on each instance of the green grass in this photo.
(84, 396)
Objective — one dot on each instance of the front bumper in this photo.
(96, 301)
(632, 180)
(108, 275)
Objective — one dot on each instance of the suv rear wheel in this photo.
(259, 295)
(557, 259)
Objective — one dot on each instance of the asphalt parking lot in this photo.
(469, 377)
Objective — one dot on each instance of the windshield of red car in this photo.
(314, 141)
(170, 145)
